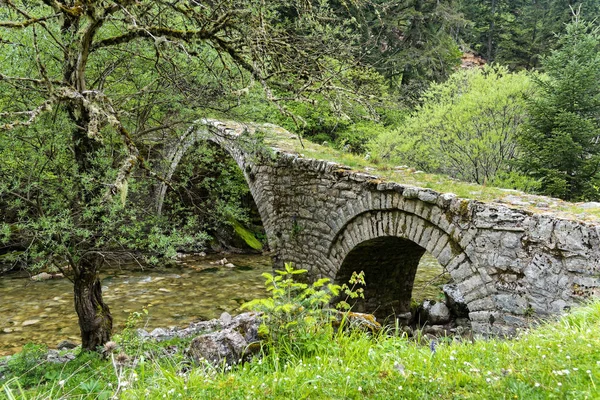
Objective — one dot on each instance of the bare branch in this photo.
(26, 23)
(153, 32)
(33, 114)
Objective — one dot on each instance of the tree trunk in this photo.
(95, 320)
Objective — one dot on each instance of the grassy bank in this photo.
(557, 360)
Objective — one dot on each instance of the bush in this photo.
(466, 127)
(297, 318)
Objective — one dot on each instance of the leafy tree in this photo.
(561, 144)
(90, 90)
(466, 127)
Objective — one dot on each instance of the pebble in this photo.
(30, 322)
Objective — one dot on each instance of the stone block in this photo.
(511, 303)
(428, 196)
(410, 192)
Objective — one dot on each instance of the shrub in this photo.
(466, 127)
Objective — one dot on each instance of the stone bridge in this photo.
(512, 266)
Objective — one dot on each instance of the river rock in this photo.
(225, 318)
(356, 320)
(229, 265)
(436, 330)
(66, 345)
(455, 301)
(434, 313)
(232, 344)
(404, 318)
(54, 356)
(245, 323)
(44, 276)
(160, 334)
(590, 205)
(224, 346)
(30, 322)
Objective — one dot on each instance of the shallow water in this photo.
(42, 312)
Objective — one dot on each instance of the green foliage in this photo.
(410, 42)
(87, 375)
(297, 317)
(93, 95)
(516, 180)
(30, 363)
(561, 143)
(129, 340)
(248, 237)
(466, 127)
(296, 314)
(209, 191)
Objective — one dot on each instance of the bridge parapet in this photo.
(512, 266)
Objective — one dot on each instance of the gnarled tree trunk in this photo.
(95, 320)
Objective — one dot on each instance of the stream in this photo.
(42, 312)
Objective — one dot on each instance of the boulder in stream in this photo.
(44, 276)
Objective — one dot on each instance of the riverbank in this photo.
(196, 288)
(556, 360)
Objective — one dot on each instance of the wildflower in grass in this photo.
(122, 358)
(360, 389)
(432, 345)
(537, 384)
(109, 347)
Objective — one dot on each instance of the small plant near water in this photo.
(297, 318)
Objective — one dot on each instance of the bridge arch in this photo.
(388, 245)
(511, 265)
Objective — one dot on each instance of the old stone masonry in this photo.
(512, 266)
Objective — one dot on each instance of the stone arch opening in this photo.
(216, 191)
(388, 245)
(390, 264)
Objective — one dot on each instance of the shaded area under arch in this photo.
(390, 265)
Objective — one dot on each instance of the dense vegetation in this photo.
(98, 98)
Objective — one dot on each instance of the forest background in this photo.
(496, 92)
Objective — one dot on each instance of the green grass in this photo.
(559, 360)
(281, 139)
